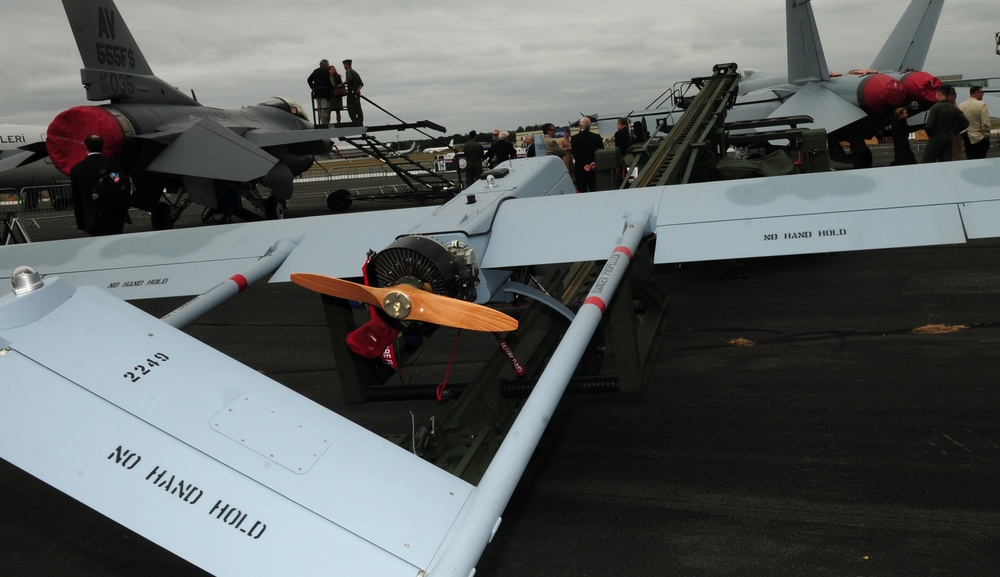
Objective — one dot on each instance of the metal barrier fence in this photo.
(34, 203)
(363, 178)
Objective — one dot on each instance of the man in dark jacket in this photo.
(322, 90)
(944, 122)
(501, 150)
(83, 177)
(622, 137)
(585, 146)
(473, 152)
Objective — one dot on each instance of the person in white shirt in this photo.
(977, 137)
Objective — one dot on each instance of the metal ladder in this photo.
(677, 155)
(417, 177)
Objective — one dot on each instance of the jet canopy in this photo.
(286, 104)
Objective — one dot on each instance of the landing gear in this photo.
(172, 203)
(229, 199)
(275, 208)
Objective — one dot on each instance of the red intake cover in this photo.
(921, 88)
(64, 138)
(879, 94)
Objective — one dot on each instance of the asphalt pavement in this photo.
(797, 422)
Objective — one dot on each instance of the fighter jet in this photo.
(851, 107)
(167, 140)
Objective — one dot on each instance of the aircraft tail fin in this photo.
(806, 61)
(907, 46)
(114, 67)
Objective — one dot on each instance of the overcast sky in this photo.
(464, 64)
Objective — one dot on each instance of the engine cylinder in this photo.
(448, 270)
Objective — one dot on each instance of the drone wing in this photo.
(202, 455)
(920, 205)
(191, 261)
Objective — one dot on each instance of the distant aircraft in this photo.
(408, 150)
(23, 159)
(439, 149)
(165, 139)
(851, 107)
(348, 152)
(239, 475)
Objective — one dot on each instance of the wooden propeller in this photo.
(407, 302)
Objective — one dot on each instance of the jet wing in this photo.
(206, 149)
(826, 108)
(202, 455)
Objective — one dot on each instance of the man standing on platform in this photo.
(354, 86)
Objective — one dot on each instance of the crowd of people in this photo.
(950, 127)
(578, 151)
(329, 89)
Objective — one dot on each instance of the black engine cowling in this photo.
(445, 269)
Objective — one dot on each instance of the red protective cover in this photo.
(371, 339)
(64, 138)
(921, 88)
(881, 93)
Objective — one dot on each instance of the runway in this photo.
(839, 443)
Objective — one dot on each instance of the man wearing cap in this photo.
(354, 85)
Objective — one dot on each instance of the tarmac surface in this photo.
(840, 443)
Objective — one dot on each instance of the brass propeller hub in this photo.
(397, 305)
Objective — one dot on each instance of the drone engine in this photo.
(421, 261)
(445, 269)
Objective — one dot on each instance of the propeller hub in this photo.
(397, 305)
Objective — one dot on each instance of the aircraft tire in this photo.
(275, 208)
(339, 200)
